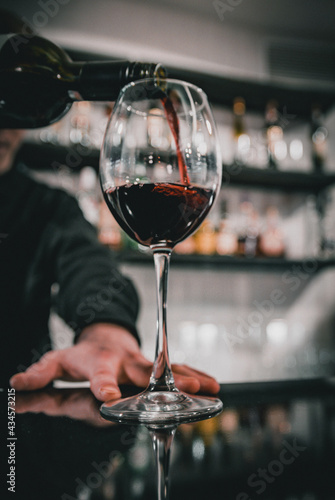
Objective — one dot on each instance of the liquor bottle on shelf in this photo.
(80, 124)
(156, 125)
(274, 135)
(271, 243)
(241, 138)
(251, 242)
(205, 238)
(226, 238)
(247, 229)
(319, 134)
(39, 81)
(241, 227)
(325, 224)
(49, 135)
(186, 247)
(87, 194)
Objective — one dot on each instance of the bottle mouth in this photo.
(138, 71)
(161, 75)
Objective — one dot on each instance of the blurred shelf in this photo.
(277, 391)
(229, 263)
(49, 157)
(277, 180)
(251, 393)
(292, 99)
(46, 157)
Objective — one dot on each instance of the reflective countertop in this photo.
(273, 440)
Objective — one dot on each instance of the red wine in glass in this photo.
(152, 213)
(161, 212)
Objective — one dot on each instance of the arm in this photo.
(91, 289)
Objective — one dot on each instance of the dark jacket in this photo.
(44, 239)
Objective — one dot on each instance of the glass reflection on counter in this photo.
(261, 444)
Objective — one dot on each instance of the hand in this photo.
(106, 355)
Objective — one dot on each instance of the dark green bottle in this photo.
(39, 81)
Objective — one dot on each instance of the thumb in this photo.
(39, 374)
(104, 385)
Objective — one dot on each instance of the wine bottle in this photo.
(319, 134)
(205, 238)
(271, 242)
(241, 138)
(226, 238)
(39, 81)
(274, 132)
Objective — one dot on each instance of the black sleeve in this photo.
(91, 289)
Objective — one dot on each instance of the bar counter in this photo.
(273, 440)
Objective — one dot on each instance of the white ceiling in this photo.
(303, 18)
(307, 18)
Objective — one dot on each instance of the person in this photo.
(45, 239)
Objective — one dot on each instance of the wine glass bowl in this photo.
(142, 157)
(160, 171)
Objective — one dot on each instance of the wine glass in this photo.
(160, 171)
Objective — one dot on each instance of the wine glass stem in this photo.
(162, 442)
(161, 377)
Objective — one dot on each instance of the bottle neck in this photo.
(93, 81)
(102, 81)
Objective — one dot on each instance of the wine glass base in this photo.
(161, 407)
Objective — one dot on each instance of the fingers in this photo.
(103, 376)
(187, 384)
(138, 371)
(39, 374)
(186, 379)
(190, 380)
(105, 381)
(104, 385)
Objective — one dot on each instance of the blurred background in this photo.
(251, 294)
